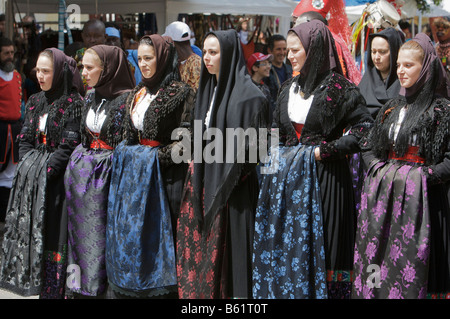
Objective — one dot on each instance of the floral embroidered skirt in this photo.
(329, 224)
(87, 180)
(34, 250)
(393, 233)
(289, 255)
(215, 262)
(140, 251)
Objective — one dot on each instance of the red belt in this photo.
(148, 142)
(411, 155)
(99, 144)
(43, 138)
(298, 129)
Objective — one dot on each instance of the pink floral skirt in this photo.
(392, 248)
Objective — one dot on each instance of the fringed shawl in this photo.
(62, 102)
(431, 132)
(160, 117)
(425, 102)
(112, 131)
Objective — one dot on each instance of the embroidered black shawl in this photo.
(337, 105)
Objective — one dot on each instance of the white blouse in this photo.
(298, 107)
(95, 119)
(138, 112)
(43, 123)
(395, 128)
(6, 76)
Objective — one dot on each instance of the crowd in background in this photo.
(95, 206)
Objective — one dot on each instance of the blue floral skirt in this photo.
(140, 253)
(289, 254)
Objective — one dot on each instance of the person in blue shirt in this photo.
(280, 71)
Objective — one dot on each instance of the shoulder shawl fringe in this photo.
(60, 112)
(431, 132)
(112, 131)
(169, 98)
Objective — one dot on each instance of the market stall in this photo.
(167, 11)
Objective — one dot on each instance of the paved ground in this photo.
(9, 295)
(3, 293)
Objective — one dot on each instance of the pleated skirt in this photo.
(393, 234)
(339, 220)
(289, 250)
(34, 249)
(215, 262)
(87, 180)
(333, 225)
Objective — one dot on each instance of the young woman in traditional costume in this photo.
(215, 227)
(304, 232)
(34, 251)
(146, 183)
(88, 175)
(403, 224)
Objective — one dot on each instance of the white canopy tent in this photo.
(167, 11)
(278, 8)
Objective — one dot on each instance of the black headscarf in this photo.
(238, 103)
(375, 91)
(432, 72)
(116, 77)
(321, 54)
(431, 84)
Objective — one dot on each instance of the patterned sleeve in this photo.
(439, 171)
(70, 138)
(165, 152)
(358, 118)
(26, 137)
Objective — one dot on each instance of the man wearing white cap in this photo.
(189, 63)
